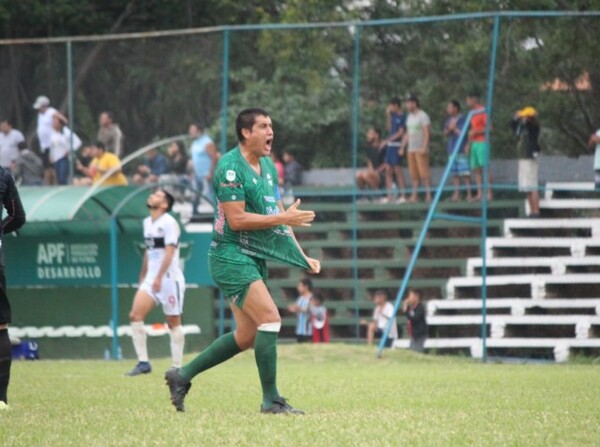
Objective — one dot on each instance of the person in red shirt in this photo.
(477, 147)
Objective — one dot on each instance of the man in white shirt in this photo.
(384, 310)
(416, 141)
(161, 281)
(62, 139)
(9, 142)
(44, 133)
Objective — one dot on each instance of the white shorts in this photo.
(170, 295)
(528, 175)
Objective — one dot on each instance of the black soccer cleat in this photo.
(280, 406)
(139, 369)
(178, 387)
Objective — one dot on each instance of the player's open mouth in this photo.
(269, 143)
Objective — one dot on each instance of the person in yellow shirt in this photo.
(102, 163)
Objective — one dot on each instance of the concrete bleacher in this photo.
(386, 235)
(543, 285)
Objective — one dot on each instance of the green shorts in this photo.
(233, 272)
(478, 158)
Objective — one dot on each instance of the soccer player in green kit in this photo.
(250, 227)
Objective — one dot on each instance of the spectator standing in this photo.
(177, 170)
(319, 320)
(477, 148)
(204, 158)
(396, 126)
(110, 134)
(29, 170)
(155, 164)
(61, 140)
(102, 163)
(302, 310)
(383, 312)
(595, 141)
(293, 176)
(414, 309)
(455, 122)
(44, 132)
(375, 162)
(526, 127)
(9, 141)
(416, 142)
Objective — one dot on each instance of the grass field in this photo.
(351, 398)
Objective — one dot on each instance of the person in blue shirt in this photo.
(204, 158)
(455, 122)
(302, 309)
(396, 126)
(155, 164)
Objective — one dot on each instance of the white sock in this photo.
(177, 345)
(138, 336)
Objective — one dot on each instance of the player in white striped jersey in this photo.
(161, 281)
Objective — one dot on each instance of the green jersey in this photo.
(236, 181)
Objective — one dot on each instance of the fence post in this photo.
(70, 107)
(355, 120)
(114, 276)
(484, 200)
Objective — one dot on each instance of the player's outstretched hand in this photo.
(298, 218)
(315, 266)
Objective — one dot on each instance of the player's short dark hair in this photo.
(100, 145)
(455, 103)
(307, 282)
(417, 292)
(396, 101)
(246, 119)
(382, 292)
(170, 199)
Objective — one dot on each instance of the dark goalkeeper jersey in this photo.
(9, 196)
(235, 180)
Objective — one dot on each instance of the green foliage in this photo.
(350, 397)
(157, 86)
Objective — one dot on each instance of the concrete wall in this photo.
(552, 168)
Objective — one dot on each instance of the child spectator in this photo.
(396, 126)
(460, 169)
(302, 310)
(381, 316)
(319, 320)
(414, 309)
(477, 148)
(526, 127)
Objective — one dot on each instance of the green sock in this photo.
(265, 353)
(223, 348)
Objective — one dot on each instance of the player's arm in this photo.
(241, 220)
(164, 266)
(15, 214)
(315, 264)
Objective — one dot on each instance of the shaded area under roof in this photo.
(53, 210)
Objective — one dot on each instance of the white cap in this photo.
(40, 102)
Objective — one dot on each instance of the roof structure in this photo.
(81, 210)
